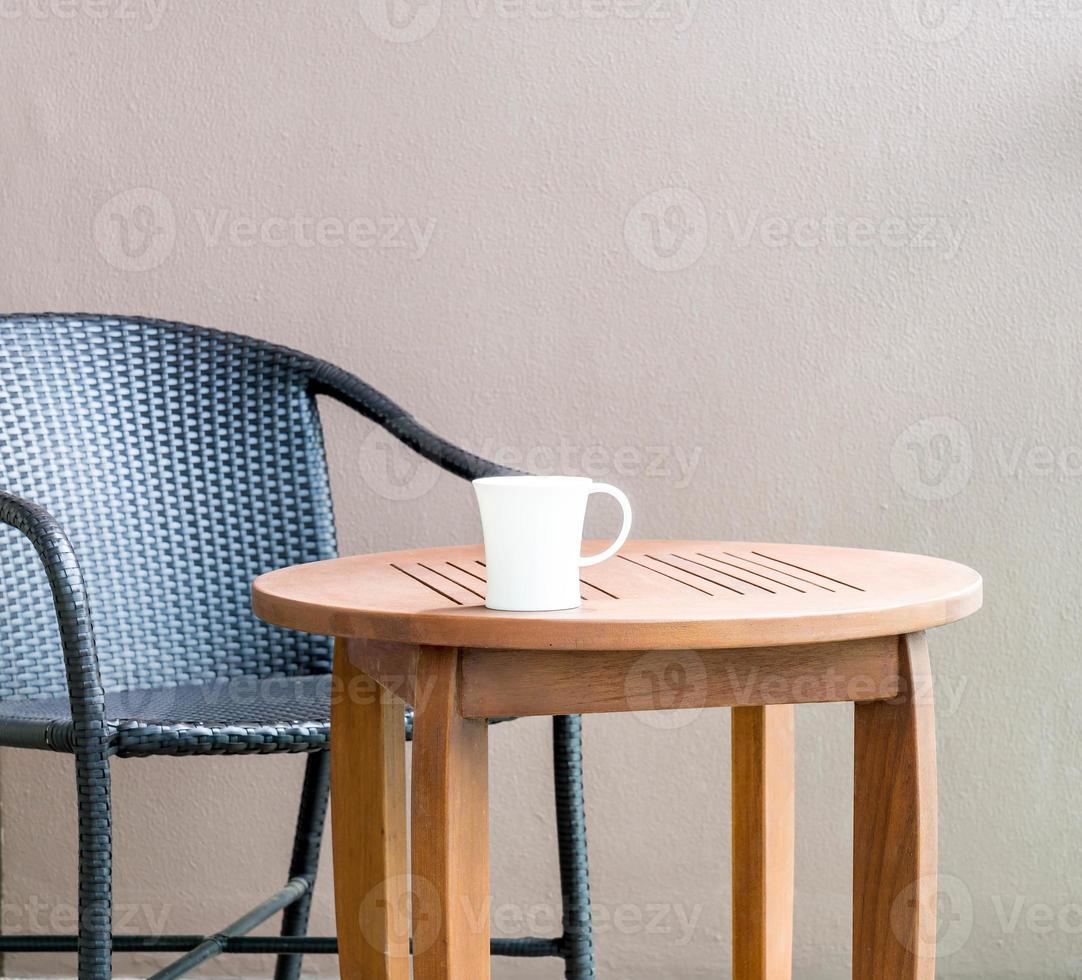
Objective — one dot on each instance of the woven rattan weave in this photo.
(149, 471)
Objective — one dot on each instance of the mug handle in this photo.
(625, 506)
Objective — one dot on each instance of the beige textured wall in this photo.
(790, 269)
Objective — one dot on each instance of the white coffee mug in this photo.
(532, 527)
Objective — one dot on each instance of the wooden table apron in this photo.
(754, 627)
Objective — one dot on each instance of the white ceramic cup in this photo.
(533, 538)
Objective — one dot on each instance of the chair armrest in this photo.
(72, 609)
(362, 397)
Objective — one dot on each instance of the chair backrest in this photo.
(181, 462)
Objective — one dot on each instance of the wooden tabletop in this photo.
(653, 595)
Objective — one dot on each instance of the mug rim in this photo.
(531, 480)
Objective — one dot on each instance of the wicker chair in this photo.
(155, 469)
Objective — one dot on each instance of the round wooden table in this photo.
(665, 624)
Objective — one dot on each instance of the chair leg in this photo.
(95, 862)
(577, 945)
(306, 844)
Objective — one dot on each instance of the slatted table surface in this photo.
(653, 595)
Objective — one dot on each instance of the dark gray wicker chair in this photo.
(155, 469)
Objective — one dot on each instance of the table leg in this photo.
(450, 827)
(894, 828)
(368, 823)
(763, 840)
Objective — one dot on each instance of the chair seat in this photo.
(241, 715)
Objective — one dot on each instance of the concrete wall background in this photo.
(794, 270)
